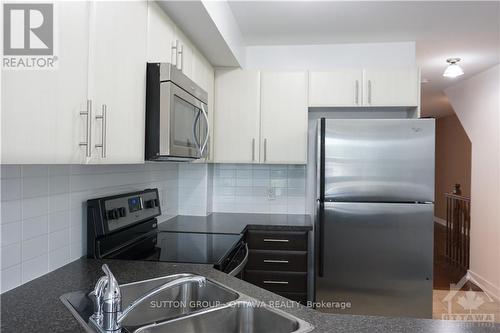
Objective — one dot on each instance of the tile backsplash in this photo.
(195, 190)
(244, 188)
(43, 220)
(43, 223)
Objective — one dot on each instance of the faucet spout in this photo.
(107, 299)
(201, 280)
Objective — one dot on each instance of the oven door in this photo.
(183, 123)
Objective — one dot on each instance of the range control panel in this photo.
(119, 211)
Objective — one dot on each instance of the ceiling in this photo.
(469, 30)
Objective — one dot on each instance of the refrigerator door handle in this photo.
(321, 197)
(321, 247)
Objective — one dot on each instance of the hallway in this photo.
(446, 274)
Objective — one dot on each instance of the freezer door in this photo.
(379, 160)
(378, 257)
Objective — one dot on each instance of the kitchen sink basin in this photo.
(168, 304)
(238, 317)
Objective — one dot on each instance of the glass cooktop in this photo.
(200, 248)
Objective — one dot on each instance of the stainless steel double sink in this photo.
(191, 307)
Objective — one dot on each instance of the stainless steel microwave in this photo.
(177, 125)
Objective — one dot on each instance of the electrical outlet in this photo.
(271, 193)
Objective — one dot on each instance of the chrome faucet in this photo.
(106, 296)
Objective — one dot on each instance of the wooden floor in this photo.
(445, 273)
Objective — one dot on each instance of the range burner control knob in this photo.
(152, 203)
(122, 212)
(113, 214)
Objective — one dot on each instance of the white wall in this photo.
(322, 57)
(43, 224)
(476, 102)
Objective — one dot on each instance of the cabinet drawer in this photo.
(297, 297)
(278, 281)
(267, 260)
(277, 240)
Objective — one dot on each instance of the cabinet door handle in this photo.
(369, 91)
(271, 261)
(253, 150)
(181, 53)
(174, 53)
(87, 142)
(265, 150)
(103, 131)
(274, 240)
(275, 282)
(356, 93)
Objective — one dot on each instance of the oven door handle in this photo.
(240, 267)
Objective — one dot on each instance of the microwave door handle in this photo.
(195, 130)
(205, 142)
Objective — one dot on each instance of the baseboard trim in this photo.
(440, 220)
(485, 285)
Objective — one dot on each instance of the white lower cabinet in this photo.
(283, 121)
(117, 81)
(236, 116)
(41, 120)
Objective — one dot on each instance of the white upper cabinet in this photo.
(284, 117)
(117, 81)
(340, 87)
(161, 35)
(91, 107)
(391, 87)
(41, 120)
(236, 117)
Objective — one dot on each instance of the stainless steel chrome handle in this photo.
(174, 53)
(205, 142)
(181, 53)
(274, 282)
(242, 265)
(356, 92)
(369, 91)
(253, 150)
(195, 135)
(274, 240)
(272, 261)
(265, 150)
(103, 131)
(87, 142)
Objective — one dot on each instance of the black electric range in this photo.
(125, 227)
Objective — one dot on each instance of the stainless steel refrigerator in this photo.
(374, 225)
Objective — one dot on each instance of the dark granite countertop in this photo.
(234, 223)
(35, 306)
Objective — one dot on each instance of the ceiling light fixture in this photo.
(453, 70)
